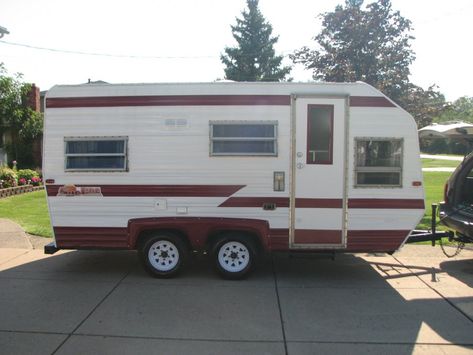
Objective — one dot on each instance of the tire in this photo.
(163, 255)
(234, 256)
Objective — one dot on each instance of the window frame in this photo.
(96, 138)
(274, 139)
(378, 169)
(330, 151)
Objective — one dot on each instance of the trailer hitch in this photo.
(431, 235)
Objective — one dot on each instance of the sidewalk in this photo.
(447, 170)
(12, 236)
(441, 157)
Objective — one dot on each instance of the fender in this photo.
(198, 229)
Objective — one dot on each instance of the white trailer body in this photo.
(329, 166)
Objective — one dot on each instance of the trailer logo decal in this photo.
(144, 190)
(72, 190)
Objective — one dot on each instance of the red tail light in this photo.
(445, 193)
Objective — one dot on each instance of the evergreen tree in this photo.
(253, 59)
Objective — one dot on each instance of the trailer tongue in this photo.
(433, 235)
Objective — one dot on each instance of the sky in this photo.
(181, 40)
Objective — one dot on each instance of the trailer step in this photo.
(50, 248)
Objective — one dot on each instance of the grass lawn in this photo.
(447, 155)
(29, 210)
(434, 183)
(437, 163)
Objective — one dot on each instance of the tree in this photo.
(17, 117)
(459, 110)
(424, 105)
(253, 59)
(370, 45)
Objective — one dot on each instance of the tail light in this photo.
(445, 193)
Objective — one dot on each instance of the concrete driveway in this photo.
(84, 302)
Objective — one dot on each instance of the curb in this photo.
(18, 190)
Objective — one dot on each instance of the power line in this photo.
(101, 54)
(65, 51)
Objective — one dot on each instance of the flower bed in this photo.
(17, 190)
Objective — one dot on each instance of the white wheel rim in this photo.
(163, 255)
(233, 256)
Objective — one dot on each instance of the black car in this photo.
(456, 212)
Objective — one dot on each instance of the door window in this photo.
(320, 134)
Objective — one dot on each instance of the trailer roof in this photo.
(214, 88)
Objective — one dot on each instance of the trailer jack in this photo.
(50, 248)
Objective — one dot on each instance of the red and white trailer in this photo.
(232, 169)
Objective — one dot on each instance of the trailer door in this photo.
(318, 184)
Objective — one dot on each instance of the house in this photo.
(453, 137)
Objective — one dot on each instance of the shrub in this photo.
(27, 174)
(438, 146)
(35, 181)
(8, 176)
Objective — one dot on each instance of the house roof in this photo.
(447, 130)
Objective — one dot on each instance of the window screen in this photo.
(96, 154)
(378, 162)
(319, 134)
(243, 138)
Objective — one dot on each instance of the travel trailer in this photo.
(229, 169)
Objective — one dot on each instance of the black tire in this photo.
(163, 255)
(234, 256)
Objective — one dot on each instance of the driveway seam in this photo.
(91, 312)
(7, 261)
(279, 305)
(99, 335)
(375, 343)
(437, 292)
(31, 332)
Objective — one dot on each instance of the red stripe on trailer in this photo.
(91, 237)
(319, 203)
(279, 239)
(390, 203)
(228, 190)
(197, 100)
(169, 100)
(375, 240)
(355, 203)
(255, 201)
(370, 101)
(158, 190)
(282, 202)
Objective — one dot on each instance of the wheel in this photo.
(234, 256)
(163, 255)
